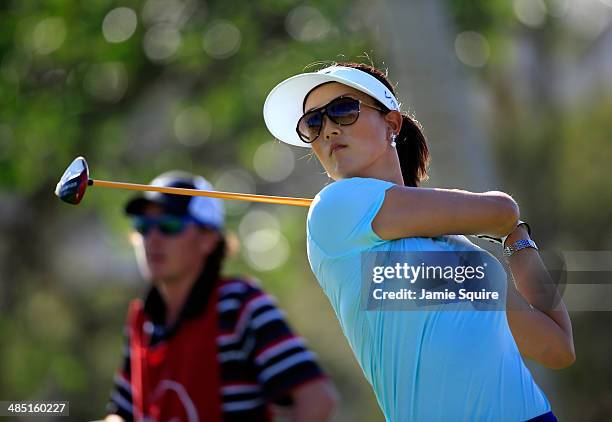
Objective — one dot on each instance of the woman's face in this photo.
(353, 150)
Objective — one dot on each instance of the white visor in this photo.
(283, 107)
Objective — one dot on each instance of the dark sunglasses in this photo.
(167, 224)
(342, 110)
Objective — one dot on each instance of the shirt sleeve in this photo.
(340, 217)
(120, 402)
(281, 359)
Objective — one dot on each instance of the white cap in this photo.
(284, 105)
(206, 210)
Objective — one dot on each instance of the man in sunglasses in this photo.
(202, 347)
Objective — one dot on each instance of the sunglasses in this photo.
(168, 225)
(342, 110)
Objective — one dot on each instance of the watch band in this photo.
(518, 245)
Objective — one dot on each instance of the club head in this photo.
(72, 185)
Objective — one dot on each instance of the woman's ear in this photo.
(394, 121)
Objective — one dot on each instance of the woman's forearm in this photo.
(543, 329)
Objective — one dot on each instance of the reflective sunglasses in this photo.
(342, 110)
(168, 225)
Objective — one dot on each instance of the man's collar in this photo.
(195, 304)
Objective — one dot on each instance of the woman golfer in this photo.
(429, 365)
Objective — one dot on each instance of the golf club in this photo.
(75, 180)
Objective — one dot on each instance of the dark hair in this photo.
(411, 142)
(214, 261)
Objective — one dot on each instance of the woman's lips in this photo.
(336, 148)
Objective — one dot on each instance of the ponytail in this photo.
(412, 151)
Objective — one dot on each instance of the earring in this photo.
(393, 136)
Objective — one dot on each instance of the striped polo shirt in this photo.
(261, 359)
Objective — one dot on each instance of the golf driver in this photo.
(75, 180)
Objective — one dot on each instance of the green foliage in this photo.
(486, 16)
(583, 174)
(66, 91)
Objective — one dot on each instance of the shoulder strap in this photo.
(136, 319)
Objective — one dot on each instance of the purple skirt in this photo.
(546, 417)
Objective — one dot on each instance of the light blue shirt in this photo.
(434, 365)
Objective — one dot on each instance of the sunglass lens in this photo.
(167, 225)
(310, 125)
(171, 225)
(343, 111)
(142, 225)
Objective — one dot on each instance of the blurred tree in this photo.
(138, 87)
(552, 145)
(438, 93)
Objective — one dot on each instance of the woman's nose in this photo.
(330, 128)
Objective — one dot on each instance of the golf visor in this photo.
(284, 105)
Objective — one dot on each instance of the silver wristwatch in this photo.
(518, 245)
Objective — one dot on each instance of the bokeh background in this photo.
(514, 95)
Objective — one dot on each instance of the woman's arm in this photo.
(424, 212)
(536, 313)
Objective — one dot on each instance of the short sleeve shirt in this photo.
(436, 365)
